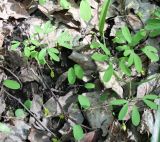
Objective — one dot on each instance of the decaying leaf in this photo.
(11, 8)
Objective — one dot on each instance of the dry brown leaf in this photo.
(11, 8)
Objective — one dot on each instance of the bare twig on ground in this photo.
(32, 114)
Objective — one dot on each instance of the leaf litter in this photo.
(56, 107)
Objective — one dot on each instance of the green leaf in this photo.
(4, 128)
(71, 76)
(99, 57)
(105, 49)
(48, 27)
(11, 84)
(123, 112)
(123, 47)
(54, 50)
(89, 85)
(52, 74)
(150, 97)
(124, 67)
(78, 132)
(126, 33)
(53, 55)
(118, 102)
(130, 59)
(28, 104)
(41, 55)
(38, 29)
(27, 52)
(84, 101)
(103, 15)
(119, 37)
(85, 10)
(33, 54)
(135, 116)
(138, 37)
(42, 2)
(78, 71)
(65, 4)
(151, 53)
(35, 42)
(108, 73)
(128, 52)
(20, 113)
(153, 24)
(138, 63)
(154, 33)
(15, 44)
(104, 96)
(94, 45)
(65, 40)
(150, 104)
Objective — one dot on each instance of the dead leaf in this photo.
(11, 8)
(90, 137)
(38, 136)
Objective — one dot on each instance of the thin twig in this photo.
(31, 113)
(13, 74)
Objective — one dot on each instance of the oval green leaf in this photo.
(118, 102)
(19, 113)
(89, 85)
(11, 84)
(78, 132)
(123, 112)
(28, 104)
(138, 63)
(78, 71)
(126, 33)
(85, 10)
(108, 73)
(103, 15)
(150, 104)
(150, 97)
(71, 76)
(84, 101)
(99, 57)
(135, 116)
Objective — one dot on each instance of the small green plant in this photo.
(129, 45)
(135, 116)
(34, 49)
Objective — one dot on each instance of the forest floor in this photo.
(64, 76)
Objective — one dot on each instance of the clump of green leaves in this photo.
(75, 72)
(129, 45)
(135, 115)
